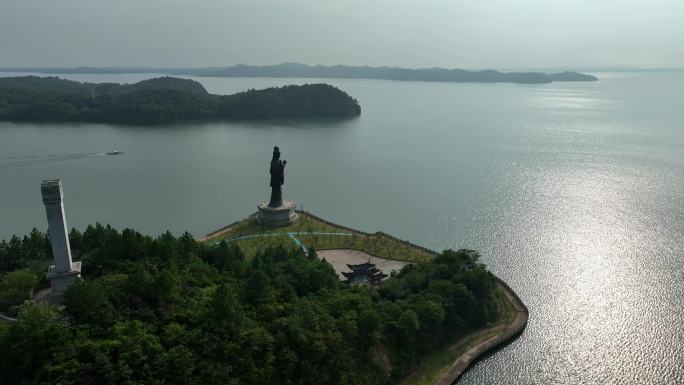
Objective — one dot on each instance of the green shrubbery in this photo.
(16, 287)
(169, 310)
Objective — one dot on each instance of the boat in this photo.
(115, 152)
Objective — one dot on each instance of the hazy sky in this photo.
(501, 34)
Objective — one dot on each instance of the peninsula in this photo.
(162, 100)
(297, 70)
(246, 305)
(281, 297)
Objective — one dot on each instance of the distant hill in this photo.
(392, 73)
(569, 76)
(287, 70)
(161, 100)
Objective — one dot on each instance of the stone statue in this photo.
(277, 178)
(277, 212)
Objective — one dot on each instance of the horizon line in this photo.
(589, 68)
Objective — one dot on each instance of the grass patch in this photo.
(379, 244)
(376, 245)
(434, 365)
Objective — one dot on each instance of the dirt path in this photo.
(6, 318)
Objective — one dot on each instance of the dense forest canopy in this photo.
(170, 310)
(162, 100)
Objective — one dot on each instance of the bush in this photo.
(16, 287)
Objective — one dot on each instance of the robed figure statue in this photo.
(277, 212)
(277, 178)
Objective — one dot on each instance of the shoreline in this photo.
(461, 364)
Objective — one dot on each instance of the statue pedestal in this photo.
(60, 281)
(282, 215)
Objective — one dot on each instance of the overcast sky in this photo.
(503, 34)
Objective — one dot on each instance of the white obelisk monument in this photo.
(64, 271)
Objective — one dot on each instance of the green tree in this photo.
(179, 366)
(226, 307)
(166, 286)
(408, 327)
(258, 288)
(16, 287)
(31, 342)
(137, 353)
(431, 314)
(88, 303)
(370, 327)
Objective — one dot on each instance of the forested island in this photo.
(162, 100)
(297, 70)
(171, 310)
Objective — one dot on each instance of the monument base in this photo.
(60, 281)
(282, 215)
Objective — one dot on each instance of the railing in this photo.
(224, 228)
(376, 234)
(327, 222)
(338, 226)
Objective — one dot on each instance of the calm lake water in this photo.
(573, 193)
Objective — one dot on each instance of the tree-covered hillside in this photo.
(170, 310)
(161, 100)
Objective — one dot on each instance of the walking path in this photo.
(6, 318)
(292, 235)
(459, 366)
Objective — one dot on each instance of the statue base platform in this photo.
(60, 281)
(280, 216)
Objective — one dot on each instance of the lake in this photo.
(572, 192)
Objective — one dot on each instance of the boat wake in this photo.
(29, 160)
